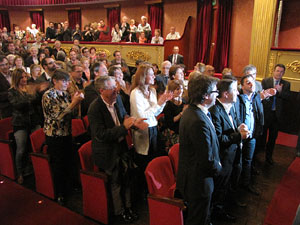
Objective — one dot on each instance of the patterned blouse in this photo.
(58, 118)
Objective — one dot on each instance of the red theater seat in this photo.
(7, 165)
(78, 128)
(95, 201)
(163, 207)
(41, 164)
(174, 157)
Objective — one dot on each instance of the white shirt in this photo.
(227, 107)
(142, 107)
(174, 36)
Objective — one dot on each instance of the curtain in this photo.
(74, 17)
(224, 14)
(113, 17)
(4, 19)
(204, 27)
(38, 19)
(42, 2)
(156, 16)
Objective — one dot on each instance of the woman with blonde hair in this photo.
(35, 72)
(144, 104)
(24, 118)
(85, 62)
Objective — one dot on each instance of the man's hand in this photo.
(140, 124)
(128, 122)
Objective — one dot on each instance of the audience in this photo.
(173, 35)
(157, 39)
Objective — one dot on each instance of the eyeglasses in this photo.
(216, 91)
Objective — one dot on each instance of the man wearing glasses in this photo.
(199, 160)
(5, 80)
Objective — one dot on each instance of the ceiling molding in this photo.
(74, 8)
(35, 10)
(111, 6)
(150, 2)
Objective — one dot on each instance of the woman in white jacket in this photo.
(144, 104)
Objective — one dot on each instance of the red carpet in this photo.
(20, 206)
(284, 204)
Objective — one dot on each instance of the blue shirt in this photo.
(249, 119)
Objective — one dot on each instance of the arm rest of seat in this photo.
(6, 141)
(42, 155)
(172, 201)
(100, 175)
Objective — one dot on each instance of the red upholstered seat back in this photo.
(174, 157)
(78, 127)
(86, 159)
(38, 139)
(86, 122)
(5, 128)
(160, 177)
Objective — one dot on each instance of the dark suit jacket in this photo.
(229, 137)
(105, 134)
(67, 34)
(179, 59)
(90, 94)
(280, 97)
(50, 33)
(28, 61)
(199, 151)
(5, 107)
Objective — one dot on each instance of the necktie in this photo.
(174, 58)
(274, 98)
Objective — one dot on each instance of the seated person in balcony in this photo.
(104, 35)
(59, 32)
(142, 38)
(76, 34)
(176, 58)
(125, 28)
(157, 39)
(109, 125)
(144, 26)
(118, 60)
(133, 31)
(173, 35)
(57, 108)
(88, 33)
(116, 33)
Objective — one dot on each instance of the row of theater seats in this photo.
(160, 175)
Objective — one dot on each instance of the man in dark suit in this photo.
(199, 158)
(49, 67)
(273, 107)
(50, 32)
(176, 58)
(109, 125)
(67, 32)
(230, 134)
(5, 79)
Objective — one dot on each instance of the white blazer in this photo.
(142, 107)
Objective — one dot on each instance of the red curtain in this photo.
(42, 2)
(38, 19)
(4, 19)
(224, 14)
(74, 17)
(113, 16)
(204, 26)
(156, 15)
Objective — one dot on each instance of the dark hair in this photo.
(115, 52)
(230, 77)
(93, 48)
(44, 61)
(93, 67)
(60, 74)
(173, 71)
(279, 65)
(73, 68)
(224, 85)
(112, 70)
(84, 48)
(245, 77)
(200, 86)
(2, 57)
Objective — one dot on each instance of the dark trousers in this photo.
(221, 181)
(120, 189)
(247, 156)
(271, 125)
(62, 162)
(198, 198)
